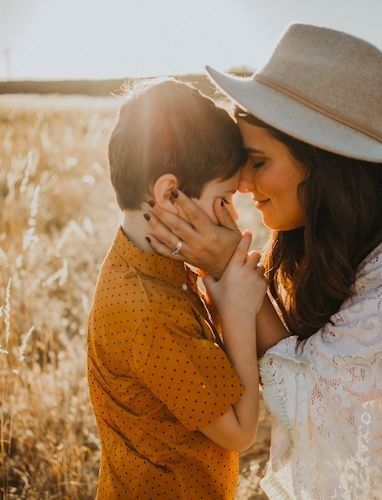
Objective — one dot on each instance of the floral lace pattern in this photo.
(325, 395)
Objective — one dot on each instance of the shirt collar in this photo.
(169, 270)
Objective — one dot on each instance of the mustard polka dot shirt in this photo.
(156, 376)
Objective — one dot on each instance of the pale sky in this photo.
(120, 38)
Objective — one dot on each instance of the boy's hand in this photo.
(238, 295)
(242, 287)
(205, 244)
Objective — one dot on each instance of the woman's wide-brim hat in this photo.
(321, 86)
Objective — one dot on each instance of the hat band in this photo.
(374, 134)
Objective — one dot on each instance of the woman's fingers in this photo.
(162, 233)
(163, 249)
(165, 222)
(205, 244)
(198, 218)
(223, 216)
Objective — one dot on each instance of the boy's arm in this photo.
(239, 295)
(236, 429)
(269, 327)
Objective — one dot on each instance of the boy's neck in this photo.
(136, 229)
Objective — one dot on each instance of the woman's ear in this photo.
(162, 189)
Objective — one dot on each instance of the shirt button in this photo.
(185, 287)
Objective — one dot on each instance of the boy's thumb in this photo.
(240, 255)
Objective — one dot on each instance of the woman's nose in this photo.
(245, 182)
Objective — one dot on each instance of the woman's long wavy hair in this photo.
(311, 269)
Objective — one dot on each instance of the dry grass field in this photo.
(57, 219)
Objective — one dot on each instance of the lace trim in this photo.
(271, 393)
(273, 489)
(272, 398)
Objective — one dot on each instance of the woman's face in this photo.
(272, 175)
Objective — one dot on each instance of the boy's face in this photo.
(219, 189)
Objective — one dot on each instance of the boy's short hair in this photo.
(170, 127)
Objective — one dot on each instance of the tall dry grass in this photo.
(57, 215)
(57, 218)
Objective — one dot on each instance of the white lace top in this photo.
(325, 396)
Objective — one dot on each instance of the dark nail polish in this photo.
(175, 194)
(148, 239)
(151, 203)
(147, 216)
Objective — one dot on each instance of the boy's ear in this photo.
(162, 189)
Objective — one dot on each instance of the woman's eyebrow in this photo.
(254, 150)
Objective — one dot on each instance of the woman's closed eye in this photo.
(258, 163)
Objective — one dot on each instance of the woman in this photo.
(311, 122)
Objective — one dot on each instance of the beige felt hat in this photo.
(321, 86)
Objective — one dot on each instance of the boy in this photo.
(165, 395)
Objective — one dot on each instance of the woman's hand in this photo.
(205, 244)
(241, 289)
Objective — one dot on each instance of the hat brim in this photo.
(295, 119)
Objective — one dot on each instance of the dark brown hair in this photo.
(312, 269)
(170, 127)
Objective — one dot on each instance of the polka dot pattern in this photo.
(156, 376)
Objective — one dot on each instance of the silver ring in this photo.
(178, 248)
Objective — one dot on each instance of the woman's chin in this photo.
(280, 225)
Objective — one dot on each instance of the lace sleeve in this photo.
(325, 394)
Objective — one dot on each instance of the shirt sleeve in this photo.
(191, 375)
(341, 361)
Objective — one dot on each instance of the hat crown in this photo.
(318, 64)
(320, 86)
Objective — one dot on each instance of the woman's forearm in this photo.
(269, 328)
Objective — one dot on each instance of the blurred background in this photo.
(60, 63)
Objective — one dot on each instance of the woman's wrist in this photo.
(218, 259)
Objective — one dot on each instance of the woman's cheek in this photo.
(265, 183)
